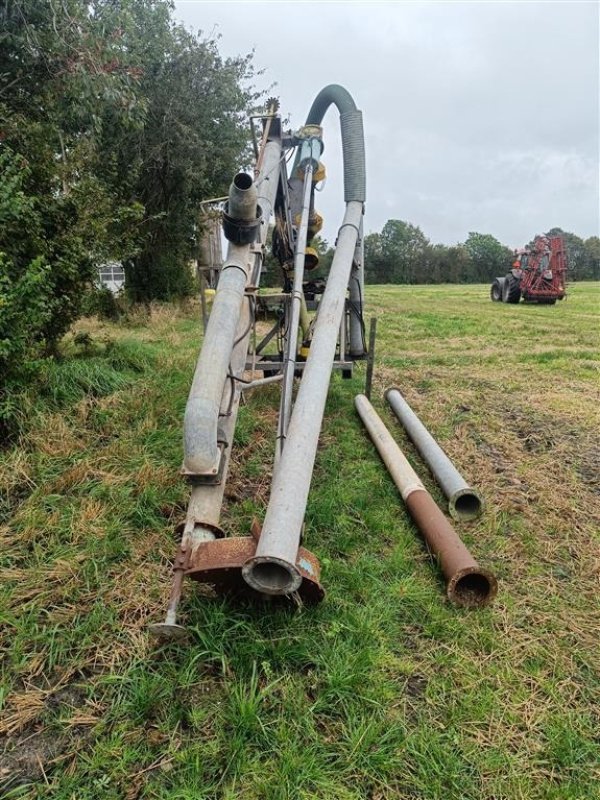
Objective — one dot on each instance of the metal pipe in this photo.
(262, 382)
(243, 198)
(371, 357)
(206, 500)
(343, 336)
(201, 451)
(273, 569)
(211, 497)
(464, 502)
(468, 584)
(267, 183)
(204, 506)
(294, 318)
(357, 298)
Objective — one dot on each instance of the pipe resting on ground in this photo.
(467, 584)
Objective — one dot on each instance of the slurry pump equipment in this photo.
(271, 561)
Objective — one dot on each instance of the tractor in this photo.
(538, 274)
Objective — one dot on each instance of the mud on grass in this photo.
(384, 691)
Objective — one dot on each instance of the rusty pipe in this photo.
(464, 502)
(467, 584)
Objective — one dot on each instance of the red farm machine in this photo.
(538, 274)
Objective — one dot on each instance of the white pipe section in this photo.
(403, 475)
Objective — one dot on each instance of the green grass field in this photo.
(384, 690)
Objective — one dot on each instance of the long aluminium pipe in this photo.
(273, 569)
(294, 320)
(468, 584)
(464, 502)
(201, 419)
(357, 298)
(201, 452)
(204, 507)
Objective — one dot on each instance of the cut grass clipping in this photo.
(384, 690)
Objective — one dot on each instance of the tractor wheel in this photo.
(511, 291)
(496, 290)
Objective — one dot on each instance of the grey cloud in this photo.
(477, 116)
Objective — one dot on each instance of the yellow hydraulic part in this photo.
(309, 131)
(304, 318)
(311, 258)
(319, 174)
(304, 350)
(315, 224)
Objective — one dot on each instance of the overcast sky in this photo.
(478, 116)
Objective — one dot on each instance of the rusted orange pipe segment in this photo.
(467, 584)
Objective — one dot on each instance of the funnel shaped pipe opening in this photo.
(465, 504)
(242, 181)
(473, 587)
(271, 576)
(243, 198)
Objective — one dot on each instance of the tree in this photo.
(375, 266)
(58, 78)
(577, 261)
(488, 257)
(325, 253)
(194, 136)
(396, 255)
(403, 249)
(114, 123)
(592, 258)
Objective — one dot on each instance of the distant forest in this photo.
(402, 253)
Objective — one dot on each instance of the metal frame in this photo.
(270, 561)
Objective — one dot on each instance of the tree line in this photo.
(402, 253)
(115, 122)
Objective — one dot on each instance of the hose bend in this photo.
(353, 143)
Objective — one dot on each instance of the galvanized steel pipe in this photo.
(464, 502)
(273, 569)
(247, 387)
(201, 452)
(200, 425)
(289, 366)
(468, 584)
(357, 299)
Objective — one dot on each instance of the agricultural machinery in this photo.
(270, 560)
(538, 274)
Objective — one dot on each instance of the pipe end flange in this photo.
(272, 576)
(168, 631)
(465, 504)
(472, 587)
